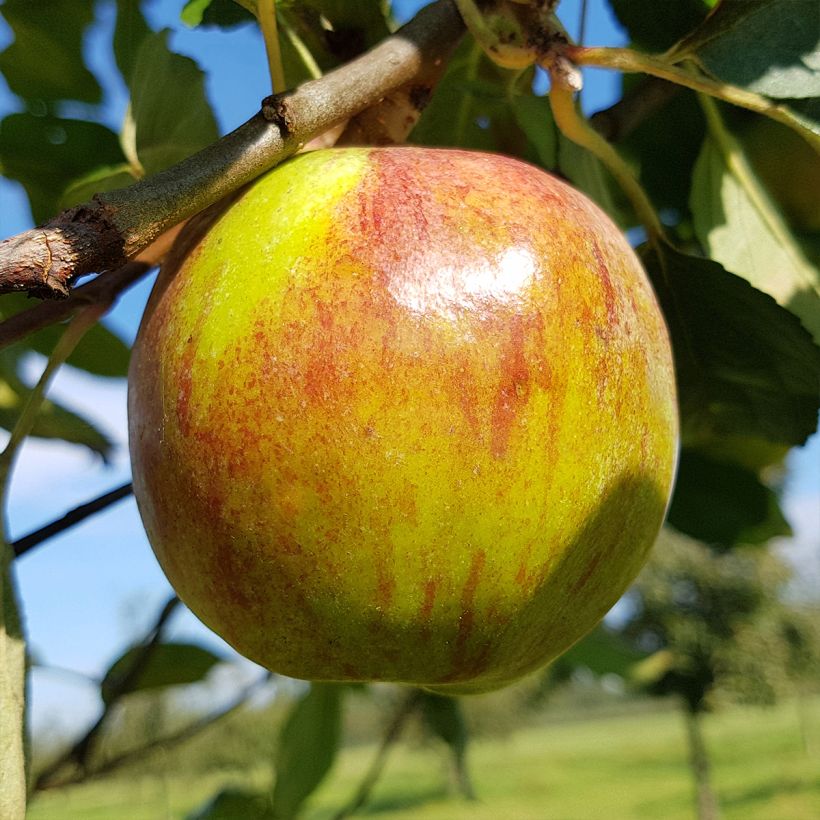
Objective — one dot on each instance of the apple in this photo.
(790, 169)
(404, 414)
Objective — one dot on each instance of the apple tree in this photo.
(705, 161)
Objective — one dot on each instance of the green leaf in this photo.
(650, 671)
(100, 351)
(12, 695)
(470, 107)
(768, 46)
(171, 115)
(663, 149)
(129, 32)
(534, 117)
(723, 504)
(45, 61)
(222, 13)
(234, 804)
(603, 651)
(445, 719)
(47, 154)
(99, 181)
(741, 227)
(656, 26)
(169, 664)
(53, 420)
(745, 365)
(307, 748)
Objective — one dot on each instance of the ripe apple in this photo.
(404, 414)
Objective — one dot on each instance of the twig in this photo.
(391, 735)
(79, 753)
(75, 516)
(175, 738)
(391, 120)
(103, 290)
(270, 33)
(100, 235)
(574, 126)
(641, 101)
(629, 61)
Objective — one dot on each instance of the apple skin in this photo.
(405, 414)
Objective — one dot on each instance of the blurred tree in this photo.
(718, 628)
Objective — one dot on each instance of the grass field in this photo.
(614, 769)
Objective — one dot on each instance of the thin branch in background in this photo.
(173, 739)
(582, 22)
(70, 519)
(78, 755)
(405, 709)
(641, 101)
(102, 234)
(102, 290)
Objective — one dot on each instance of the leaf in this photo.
(603, 651)
(470, 107)
(650, 671)
(664, 147)
(169, 664)
(99, 181)
(534, 117)
(307, 748)
(741, 227)
(100, 351)
(222, 13)
(172, 117)
(656, 26)
(12, 695)
(53, 420)
(46, 154)
(745, 365)
(233, 804)
(723, 504)
(129, 32)
(768, 46)
(45, 61)
(445, 719)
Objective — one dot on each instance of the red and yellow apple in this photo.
(406, 415)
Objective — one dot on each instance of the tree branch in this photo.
(102, 234)
(405, 709)
(175, 738)
(641, 101)
(80, 752)
(70, 519)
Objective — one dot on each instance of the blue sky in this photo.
(92, 589)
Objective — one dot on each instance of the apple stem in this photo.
(575, 127)
(666, 68)
(270, 33)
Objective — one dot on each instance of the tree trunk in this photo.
(705, 798)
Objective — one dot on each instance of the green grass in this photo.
(617, 768)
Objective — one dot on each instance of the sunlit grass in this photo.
(624, 767)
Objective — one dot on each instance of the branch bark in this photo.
(103, 234)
